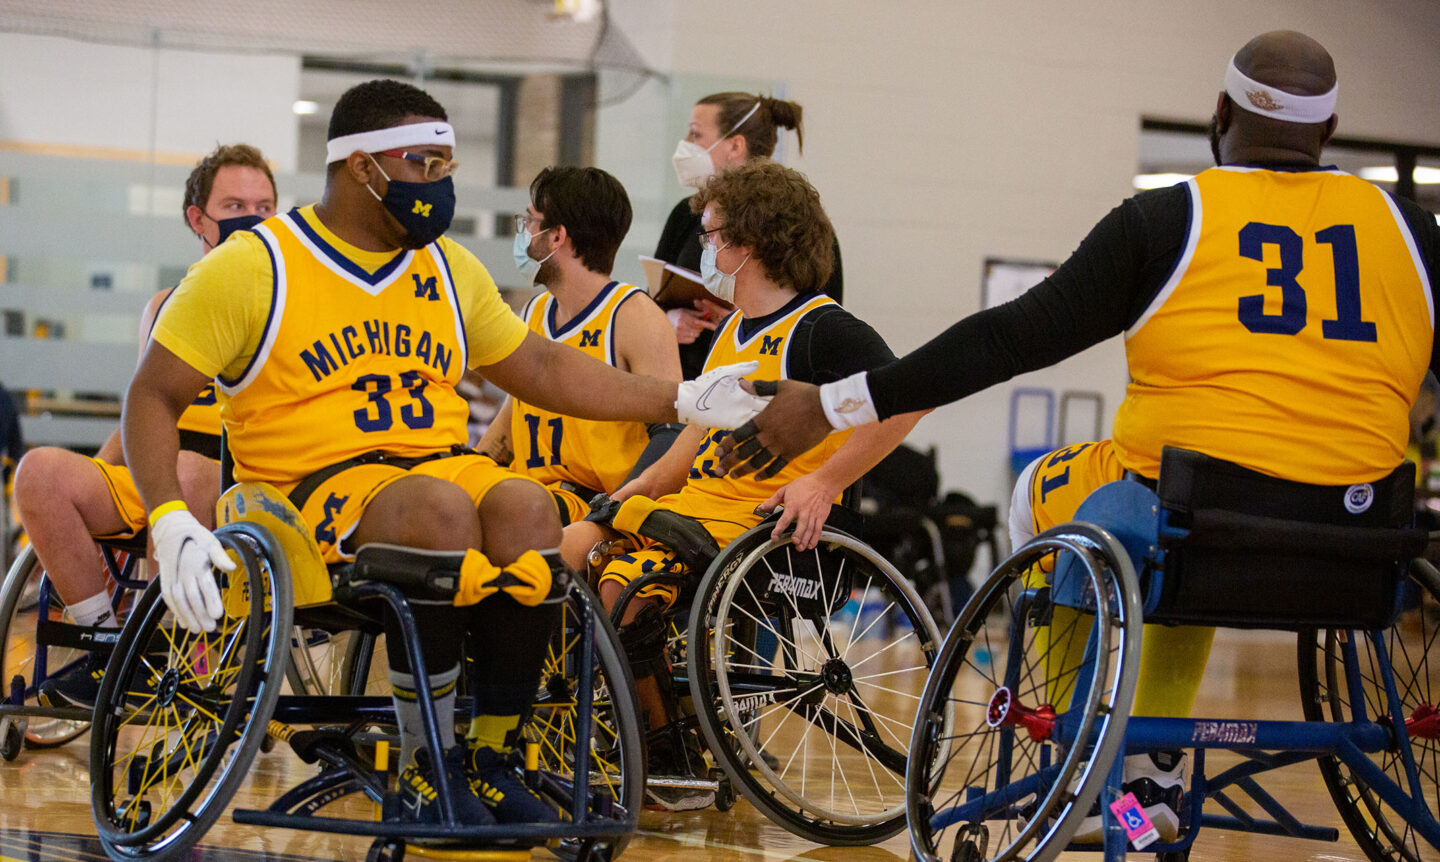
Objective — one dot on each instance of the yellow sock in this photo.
(1172, 663)
(490, 731)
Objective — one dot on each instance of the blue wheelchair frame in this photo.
(1125, 526)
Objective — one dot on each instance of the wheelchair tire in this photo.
(1026, 794)
(1381, 831)
(181, 730)
(840, 730)
(19, 619)
(617, 773)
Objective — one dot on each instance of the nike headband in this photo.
(408, 135)
(1269, 101)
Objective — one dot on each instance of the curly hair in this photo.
(202, 178)
(775, 211)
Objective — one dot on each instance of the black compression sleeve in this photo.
(1427, 245)
(662, 434)
(1095, 294)
(830, 343)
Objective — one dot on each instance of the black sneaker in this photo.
(672, 758)
(419, 801)
(78, 686)
(498, 785)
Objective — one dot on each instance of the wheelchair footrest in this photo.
(478, 835)
(681, 782)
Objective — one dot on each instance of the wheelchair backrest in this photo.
(1249, 550)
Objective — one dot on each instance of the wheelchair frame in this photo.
(256, 710)
(1102, 582)
(738, 767)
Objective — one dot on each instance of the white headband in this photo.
(1274, 102)
(408, 135)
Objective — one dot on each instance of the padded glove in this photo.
(715, 399)
(186, 552)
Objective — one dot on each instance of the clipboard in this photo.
(674, 286)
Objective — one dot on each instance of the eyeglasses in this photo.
(436, 168)
(522, 221)
(704, 235)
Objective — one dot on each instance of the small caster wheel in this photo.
(724, 791)
(386, 850)
(135, 814)
(12, 738)
(971, 843)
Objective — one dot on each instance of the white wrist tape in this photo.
(847, 402)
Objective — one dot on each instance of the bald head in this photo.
(1278, 105)
(1288, 61)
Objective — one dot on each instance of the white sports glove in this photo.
(186, 551)
(715, 399)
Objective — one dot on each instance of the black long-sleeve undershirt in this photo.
(1097, 293)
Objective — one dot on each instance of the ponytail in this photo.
(759, 129)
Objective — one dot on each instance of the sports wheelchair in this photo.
(1037, 677)
(180, 715)
(800, 672)
(39, 644)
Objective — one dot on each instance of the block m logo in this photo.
(590, 338)
(425, 289)
(422, 209)
(771, 346)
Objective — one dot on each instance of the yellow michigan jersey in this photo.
(552, 448)
(323, 351)
(768, 346)
(1291, 336)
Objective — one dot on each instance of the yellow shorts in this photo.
(571, 505)
(1054, 485)
(125, 496)
(335, 506)
(724, 520)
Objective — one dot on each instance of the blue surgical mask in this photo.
(528, 266)
(424, 210)
(722, 284)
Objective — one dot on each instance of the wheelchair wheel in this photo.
(1036, 697)
(324, 662)
(1382, 832)
(617, 759)
(19, 623)
(185, 713)
(834, 704)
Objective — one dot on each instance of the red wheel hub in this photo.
(1005, 711)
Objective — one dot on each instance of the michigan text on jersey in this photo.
(378, 339)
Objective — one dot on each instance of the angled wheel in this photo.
(345, 663)
(1404, 653)
(25, 592)
(185, 713)
(616, 774)
(1036, 696)
(833, 703)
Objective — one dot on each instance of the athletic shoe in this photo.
(419, 801)
(78, 686)
(1158, 781)
(670, 759)
(500, 787)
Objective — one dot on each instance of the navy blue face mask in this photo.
(230, 225)
(424, 210)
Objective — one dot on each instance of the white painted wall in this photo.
(946, 131)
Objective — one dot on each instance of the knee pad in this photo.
(643, 640)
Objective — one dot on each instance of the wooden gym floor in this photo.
(45, 814)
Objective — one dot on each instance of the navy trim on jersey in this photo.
(344, 262)
(455, 305)
(555, 331)
(269, 319)
(614, 317)
(751, 325)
